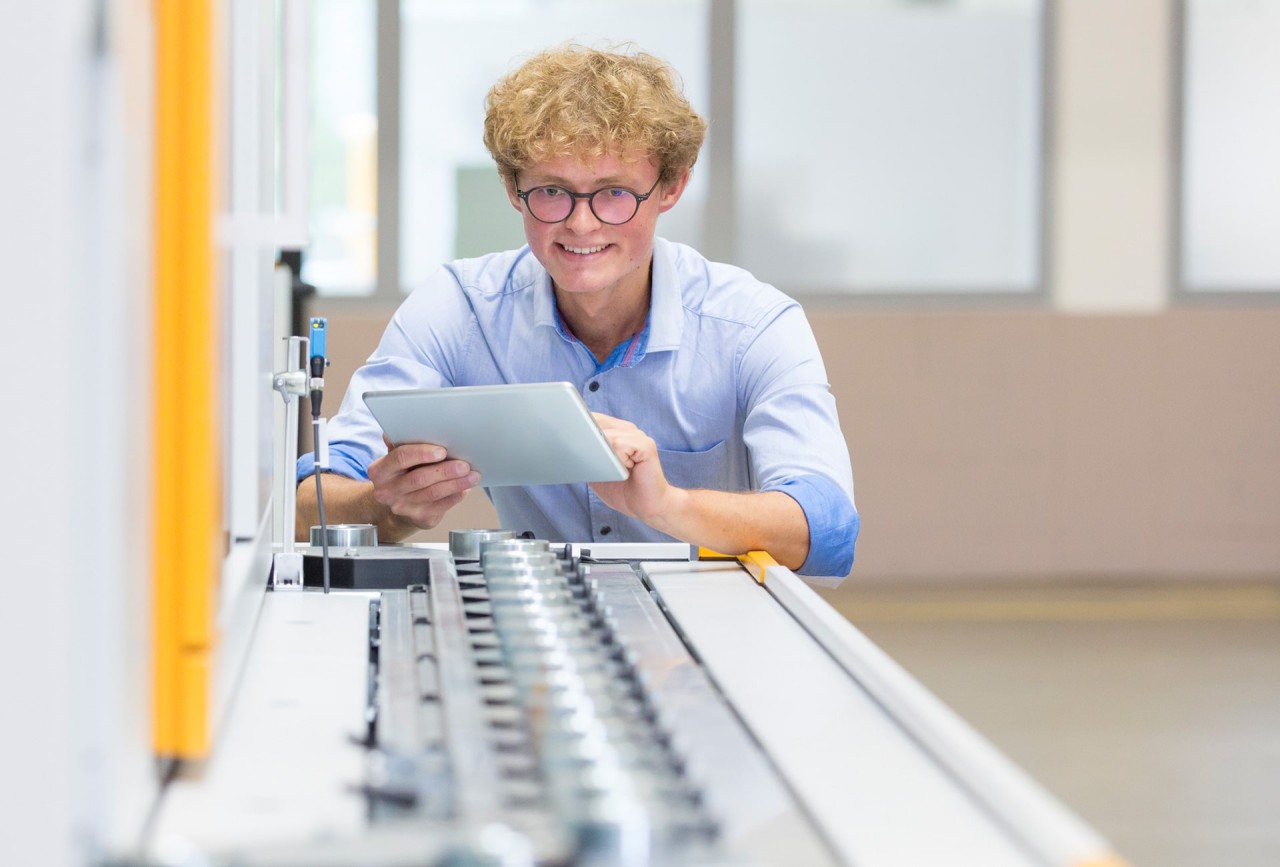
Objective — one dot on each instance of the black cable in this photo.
(168, 769)
(324, 527)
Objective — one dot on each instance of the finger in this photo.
(429, 515)
(404, 458)
(422, 477)
(632, 446)
(444, 488)
(410, 455)
(431, 475)
(430, 503)
(609, 423)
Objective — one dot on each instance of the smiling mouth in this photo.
(583, 251)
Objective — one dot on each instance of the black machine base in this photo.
(382, 567)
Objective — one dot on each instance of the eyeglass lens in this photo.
(610, 205)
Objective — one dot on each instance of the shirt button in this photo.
(606, 530)
(594, 386)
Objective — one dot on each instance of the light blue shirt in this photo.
(725, 377)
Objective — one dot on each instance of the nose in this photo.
(581, 218)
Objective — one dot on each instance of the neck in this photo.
(603, 320)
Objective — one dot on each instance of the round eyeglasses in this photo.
(612, 205)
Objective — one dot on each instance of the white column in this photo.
(1112, 147)
(74, 618)
(43, 63)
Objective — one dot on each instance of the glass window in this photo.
(1231, 146)
(890, 146)
(878, 145)
(341, 258)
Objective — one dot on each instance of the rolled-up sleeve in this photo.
(793, 435)
(405, 358)
(349, 459)
(833, 524)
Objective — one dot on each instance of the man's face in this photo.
(583, 255)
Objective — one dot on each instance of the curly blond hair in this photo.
(586, 102)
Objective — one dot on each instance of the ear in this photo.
(672, 192)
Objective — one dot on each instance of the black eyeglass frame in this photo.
(640, 198)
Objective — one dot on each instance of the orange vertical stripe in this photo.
(186, 505)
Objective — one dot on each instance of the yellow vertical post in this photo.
(186, 500)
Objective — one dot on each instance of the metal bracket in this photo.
(292, 384)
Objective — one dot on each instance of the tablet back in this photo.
(523, 434)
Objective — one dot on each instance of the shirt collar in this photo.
(666, 304)
(544, 301)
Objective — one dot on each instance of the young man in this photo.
(707, 382)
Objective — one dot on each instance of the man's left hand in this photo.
(720, 520)
(645, 494)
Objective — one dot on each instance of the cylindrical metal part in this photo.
(465, 544)
(346, 535)
(514, 544)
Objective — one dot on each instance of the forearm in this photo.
(733, 523)
(346, 501)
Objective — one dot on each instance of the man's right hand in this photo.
(417, 483)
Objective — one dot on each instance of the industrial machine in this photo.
(522, 702)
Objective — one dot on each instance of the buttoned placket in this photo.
(603, 518)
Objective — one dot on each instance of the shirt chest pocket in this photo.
(708, 468)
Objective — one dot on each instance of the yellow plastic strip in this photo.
(1107, 860)
(757, 563)
(185, 497)
(708, 554)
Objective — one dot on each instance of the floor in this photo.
(1150, 709)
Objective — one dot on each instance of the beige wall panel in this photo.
(1031, 444)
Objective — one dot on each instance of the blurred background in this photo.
(1038, 242)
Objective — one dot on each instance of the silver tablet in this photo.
(537, 433)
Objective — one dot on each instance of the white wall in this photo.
(74, 722)
(37, 219)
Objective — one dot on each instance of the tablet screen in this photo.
(523, 434)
